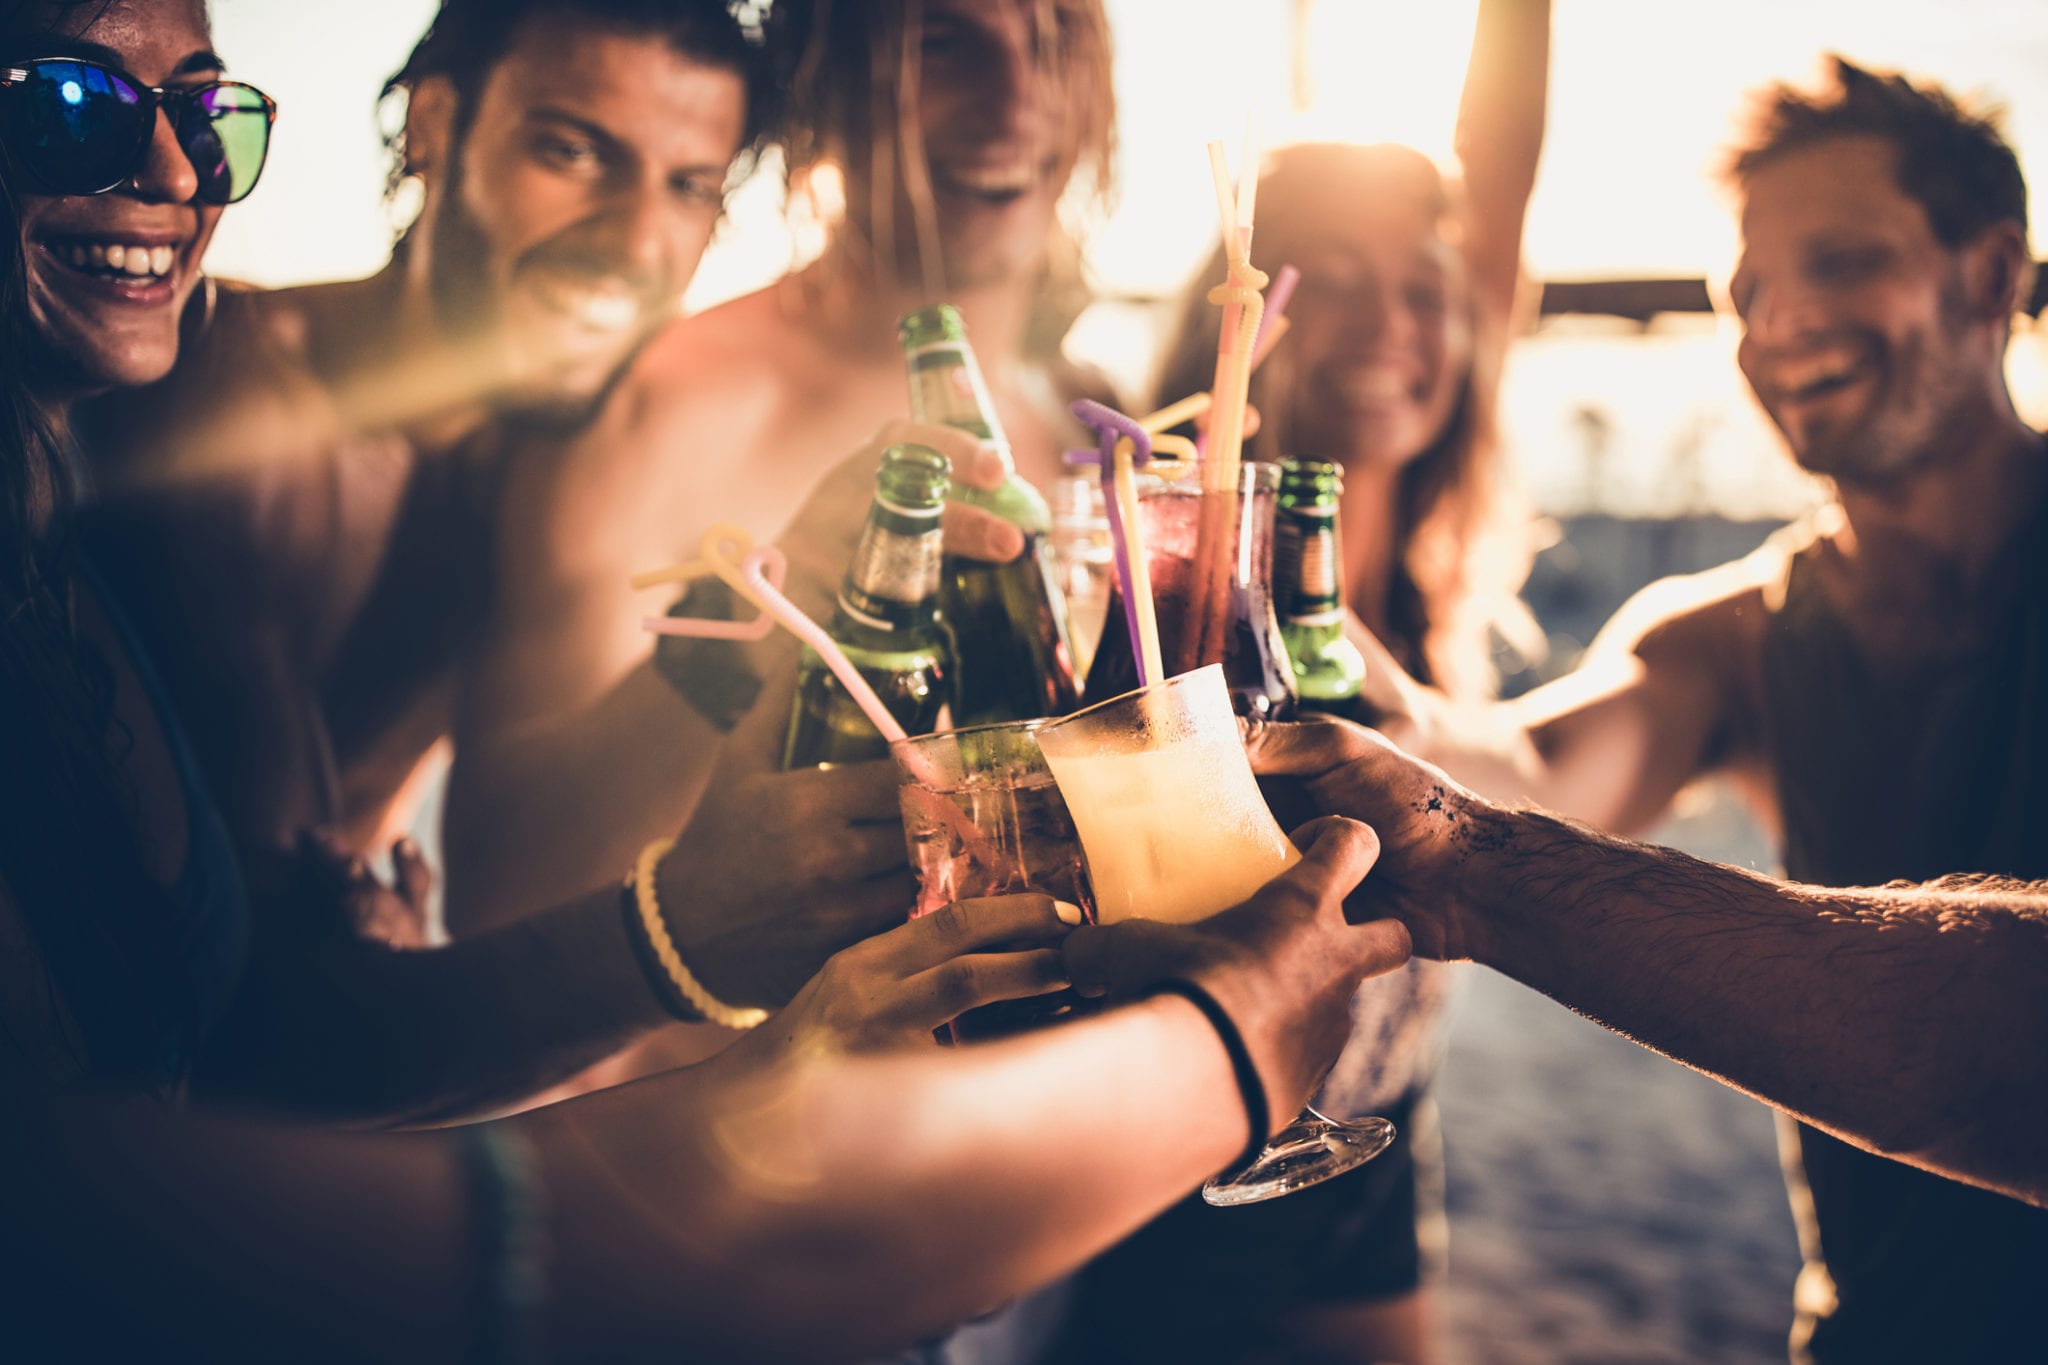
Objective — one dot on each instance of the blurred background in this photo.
(1606, 1205)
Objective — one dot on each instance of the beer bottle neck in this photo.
(1307, 567)
(893, 582)
(946, 387)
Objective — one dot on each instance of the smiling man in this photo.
(301, 515)
(941, 137)
(1872, 679)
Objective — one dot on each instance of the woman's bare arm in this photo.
(1499, 138)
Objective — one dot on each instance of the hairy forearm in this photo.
(357, 1031)
(1909, 1020)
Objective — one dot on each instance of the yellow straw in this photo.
(1141, 567)
(1226, 202)
(1172, 415)
(1239, 297)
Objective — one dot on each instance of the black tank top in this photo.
(1885, 775)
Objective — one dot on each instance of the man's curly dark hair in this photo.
(1952, 158)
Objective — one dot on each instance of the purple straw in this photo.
(1111, 426)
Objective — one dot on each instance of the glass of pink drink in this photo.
(983, 817)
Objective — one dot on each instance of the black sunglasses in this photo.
(79, 127)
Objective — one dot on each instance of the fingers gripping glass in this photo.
(77, 127)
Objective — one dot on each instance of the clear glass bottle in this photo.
(887, 622)
(1084, 561)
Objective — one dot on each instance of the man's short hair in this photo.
(468, 38)
(1952, 158)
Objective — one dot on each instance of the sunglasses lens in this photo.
(77, 127)
(225, 131)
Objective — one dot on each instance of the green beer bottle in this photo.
(1008, 622)
(887, 622)
(1308, 582)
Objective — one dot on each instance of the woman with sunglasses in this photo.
(121, 144)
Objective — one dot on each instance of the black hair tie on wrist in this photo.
(1250, 1088)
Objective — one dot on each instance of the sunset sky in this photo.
(1640, 99)
(1641, 96)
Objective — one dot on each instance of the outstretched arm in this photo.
(1909, 1020)
(782, 1201)
(1662, 697)
(347, 1029)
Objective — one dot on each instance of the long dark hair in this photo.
(70, 856)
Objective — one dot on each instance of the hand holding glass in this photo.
(983, 817)
(1175, 829)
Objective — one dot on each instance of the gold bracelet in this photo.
(713, 1009)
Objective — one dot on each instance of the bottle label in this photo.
(895, 569)
(1305, 566)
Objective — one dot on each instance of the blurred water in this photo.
(1608, 1205)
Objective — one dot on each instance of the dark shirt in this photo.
(208, 899)
(1888, 773)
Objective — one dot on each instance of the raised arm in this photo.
(1910, 1021)
(1499, 137)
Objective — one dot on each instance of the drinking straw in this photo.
(1243, 309)
(1155, 425)
(1125, 444)
(1272, 319)
(1173, 414)
(747, 569)
(756, 573)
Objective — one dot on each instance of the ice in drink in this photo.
(1173, 834)
(1169, 812)
(982, 816)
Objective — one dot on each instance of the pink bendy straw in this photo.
(757, 573)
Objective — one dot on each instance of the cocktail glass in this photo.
(1251, 649)
(1175, 829)
(983, 817)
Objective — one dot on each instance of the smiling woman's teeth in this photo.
(141, 262)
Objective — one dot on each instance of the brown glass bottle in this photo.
(1007, 622)
(886, 622)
